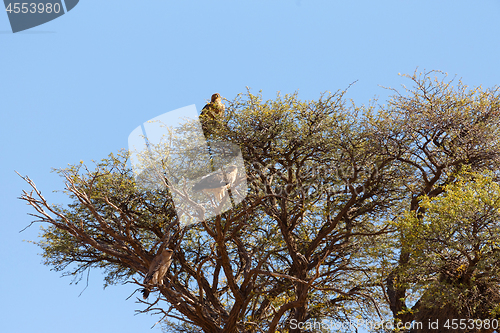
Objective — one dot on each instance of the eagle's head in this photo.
(167, 251)
(167, 254)
(231, 168)
(215, 98)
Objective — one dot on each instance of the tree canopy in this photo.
(326, 231)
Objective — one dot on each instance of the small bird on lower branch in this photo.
(157, 270)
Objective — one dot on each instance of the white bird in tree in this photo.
(217, 183)
(157, 270)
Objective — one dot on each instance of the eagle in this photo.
(217, 183)
(213, 109)
(157, 270)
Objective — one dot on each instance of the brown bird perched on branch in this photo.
(157, 270)
(213, 109)
(217, 183)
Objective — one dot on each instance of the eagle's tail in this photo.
(145, 293)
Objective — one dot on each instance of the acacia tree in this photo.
(313, 238)
(295, 249)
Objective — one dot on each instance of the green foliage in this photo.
(455, 248)
(103, 201)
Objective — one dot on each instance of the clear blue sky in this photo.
(74, 88)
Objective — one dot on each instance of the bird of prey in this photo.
(217, 183)
(157, 270)
(213, 109)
